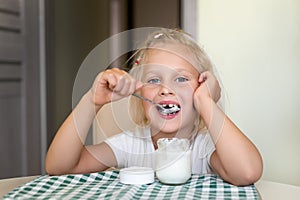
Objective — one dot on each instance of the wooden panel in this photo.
(10, 46)
(10, 5)
(9, 89)
(10, 53)
(10, 22)
(11, 140)
(10, 72)
(8, 38)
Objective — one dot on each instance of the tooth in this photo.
(171, 105)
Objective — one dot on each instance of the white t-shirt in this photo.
(135, 148)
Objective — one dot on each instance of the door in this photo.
(20, 85)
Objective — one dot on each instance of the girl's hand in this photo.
(209, 88)
(112, 85)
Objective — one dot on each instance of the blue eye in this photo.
(181, 79)
(154, 81)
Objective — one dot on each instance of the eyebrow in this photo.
(186, 71)
(155, 72)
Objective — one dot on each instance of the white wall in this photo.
(256, 47)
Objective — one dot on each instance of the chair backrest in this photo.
(113, 118)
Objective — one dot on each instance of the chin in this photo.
(170, 130)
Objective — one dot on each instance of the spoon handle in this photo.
(145, 99)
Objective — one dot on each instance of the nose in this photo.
(165, 91)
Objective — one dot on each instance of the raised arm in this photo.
(67, 153)
(236, 159)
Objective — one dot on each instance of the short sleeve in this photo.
(203, 148)
(116, 143)
(132, 148)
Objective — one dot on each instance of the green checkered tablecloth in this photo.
(106, 185)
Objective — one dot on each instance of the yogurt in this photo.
(173, 161)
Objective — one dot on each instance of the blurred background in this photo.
(254, 44)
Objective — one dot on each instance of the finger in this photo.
(123, 87)
(132, 87)
(113, 77)
(111, 81)
(203, 77)
(138, 85)
(123, 81)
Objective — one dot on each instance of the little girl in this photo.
(173, 71)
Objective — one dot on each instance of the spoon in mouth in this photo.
(158, 106)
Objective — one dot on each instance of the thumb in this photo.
(138, 85)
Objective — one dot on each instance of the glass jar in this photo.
(173, 161)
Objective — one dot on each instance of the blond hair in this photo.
(163, 40)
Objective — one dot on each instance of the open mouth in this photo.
(168, 109)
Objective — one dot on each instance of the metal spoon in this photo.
(159, 107)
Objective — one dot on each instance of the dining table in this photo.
(107, 185)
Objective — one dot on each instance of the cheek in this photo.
(150, 111)
(188, 91)
(149, 92)
(188, 99)
(146, 107)
(188, 96)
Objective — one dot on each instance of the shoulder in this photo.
(203, 137)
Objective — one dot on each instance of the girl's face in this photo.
(169, 81)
